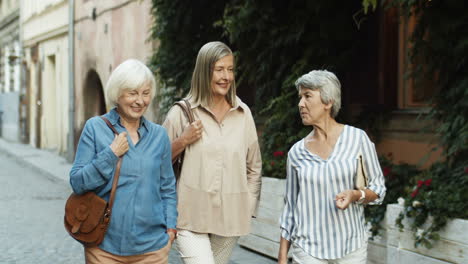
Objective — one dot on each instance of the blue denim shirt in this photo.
(145, 202)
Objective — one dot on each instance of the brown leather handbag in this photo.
(87, 216)
(178, 161)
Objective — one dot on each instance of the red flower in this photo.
(272, 163)
(466, 170)
(387, 171)
(414, 193)
(420, 183)
(278, 153)
(428, 182)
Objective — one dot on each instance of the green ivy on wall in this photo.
(181, 28)
(439, 48)
(277, 41)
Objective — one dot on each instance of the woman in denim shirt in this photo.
(144, 215)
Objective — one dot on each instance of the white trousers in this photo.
(358, 256)
(198, 248)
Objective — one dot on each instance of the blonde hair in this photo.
(129, 75)
(327, 84)
(201, 90)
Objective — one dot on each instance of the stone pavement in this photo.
(31, 219)
(33, 189)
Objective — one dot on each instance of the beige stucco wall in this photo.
(43, 19)
(405, 151)
(32, 96)
(118, 32)
(408, 138)
(45, 26)
(55, 94)
(7, 7)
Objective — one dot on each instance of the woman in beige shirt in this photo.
(219, 186)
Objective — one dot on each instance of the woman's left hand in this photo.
(344, 198)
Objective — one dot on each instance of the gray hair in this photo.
(200, 90)
(327, 84)
(129, 75)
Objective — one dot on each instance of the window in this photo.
(412, 93)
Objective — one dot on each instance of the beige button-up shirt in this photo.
(219, 187)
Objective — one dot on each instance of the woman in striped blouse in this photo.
(323, 217)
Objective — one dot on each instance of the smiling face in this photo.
(223, 76)
(132, 104)
(311, 107)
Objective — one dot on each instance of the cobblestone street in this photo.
(31, 220)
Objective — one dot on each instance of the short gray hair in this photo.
(129, 75)
(200, 90)
(327, 84)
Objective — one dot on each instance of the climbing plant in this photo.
(180, 28)
(439, 48)
(277, 41)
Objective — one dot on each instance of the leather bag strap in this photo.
(187, 109)
(116, 175)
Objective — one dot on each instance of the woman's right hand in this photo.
(120, 144)
(192, 132)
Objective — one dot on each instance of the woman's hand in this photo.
(120, 144)
(344, 198)
(172, 234)
(192, 133)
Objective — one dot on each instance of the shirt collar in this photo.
(237, 104)
(114, 118)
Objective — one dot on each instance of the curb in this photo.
(45, 162)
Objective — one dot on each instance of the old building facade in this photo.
(11, 115)
(45, 26)
(106, 34)
(70, 49)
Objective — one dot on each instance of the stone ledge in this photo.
(392, 246)
(452, 246)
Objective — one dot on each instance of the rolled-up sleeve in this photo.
(168, 189)
(372, 169)
(290, 198)
(91, 170)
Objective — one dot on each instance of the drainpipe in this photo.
(71, 81)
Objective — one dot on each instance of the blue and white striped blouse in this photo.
(310, 217)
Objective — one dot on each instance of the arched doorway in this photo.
(93, 95)
(94, 102)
